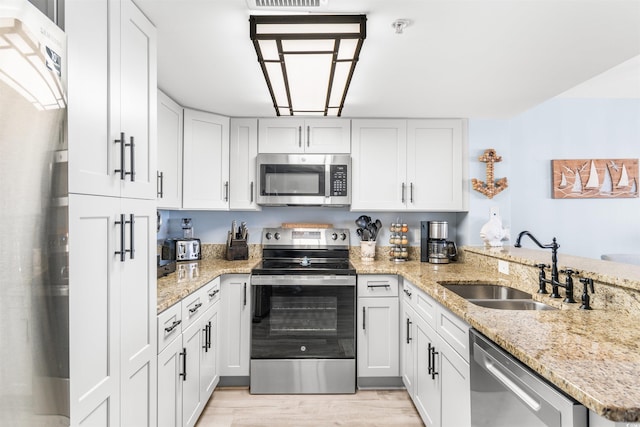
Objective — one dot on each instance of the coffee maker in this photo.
(434, 246)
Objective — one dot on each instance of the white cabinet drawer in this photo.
(425, 307)
(169, 325)
(454, 331)
(193, 306)
(211, 293)
(377, 285)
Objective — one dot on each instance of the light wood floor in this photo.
(235, 407)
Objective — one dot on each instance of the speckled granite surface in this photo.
(191, 276)
(593, 356)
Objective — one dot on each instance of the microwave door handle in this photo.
(327, 180)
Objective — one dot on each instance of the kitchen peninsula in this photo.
(591, 355)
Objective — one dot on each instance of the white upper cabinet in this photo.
(292, 135)
(112, 92)
(411, 165)
(435, 165)
(243, 150)
(169, 153)
(205, 172)
(378, 163)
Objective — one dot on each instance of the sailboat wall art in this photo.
(595, 178)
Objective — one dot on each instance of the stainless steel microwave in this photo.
(304, 179)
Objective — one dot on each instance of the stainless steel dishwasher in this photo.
(506, 393)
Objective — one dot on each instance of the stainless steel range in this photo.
(303, 305)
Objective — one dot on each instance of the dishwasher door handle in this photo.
(496, 370)
(540, 400)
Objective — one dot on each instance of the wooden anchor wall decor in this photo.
(491, 187)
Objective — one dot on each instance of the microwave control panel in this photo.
(339, 180)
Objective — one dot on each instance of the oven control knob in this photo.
(334, 236)
(277, 236)
(343, 236)
(268, 236)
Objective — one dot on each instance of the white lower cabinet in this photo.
(426, 394)
(435, 360)
(377, 326)
(187, 358)
(235, 315)
(112, 311)
(407, 347)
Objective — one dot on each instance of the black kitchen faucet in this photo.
(554, 264)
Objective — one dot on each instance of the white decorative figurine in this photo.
(492, 233)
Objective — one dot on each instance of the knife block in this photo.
(238, 250)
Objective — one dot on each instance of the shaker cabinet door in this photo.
(435, 165)
(378, 337)
(112, 86)
(205, 168)
(169, 189)
(379, 150)
(243, 151)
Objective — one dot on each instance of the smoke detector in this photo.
(297, 5)
(400, 24)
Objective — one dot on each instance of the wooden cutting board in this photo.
(305, 225)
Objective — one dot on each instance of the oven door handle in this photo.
(302, 280)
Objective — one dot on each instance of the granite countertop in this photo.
(190, 276)
(593, 356)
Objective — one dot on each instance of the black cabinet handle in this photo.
(411, 192)
(214, 293)
(299, 136)
(173, 326)
(403, 191)
(244, 298)
(378, 286)
(195, 308)
(432, 361)
(183, 374)
(406, 291)
(120, 141)
(408, 331)
(364, 315)
(308, 136)
(207, 338)
(131, 223)
(132, 160)
(226, 191)
(122, 252)
(251, 192)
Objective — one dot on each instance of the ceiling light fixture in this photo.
(308, 60)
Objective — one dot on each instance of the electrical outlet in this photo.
(503, 267)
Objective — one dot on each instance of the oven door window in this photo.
(292, 180)
(292, 322)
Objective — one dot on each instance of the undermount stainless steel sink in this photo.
(487, 291)
(496, 296)
(512, 304)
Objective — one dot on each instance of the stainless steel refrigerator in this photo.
(34, 285)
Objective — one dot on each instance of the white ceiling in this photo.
(457, 58)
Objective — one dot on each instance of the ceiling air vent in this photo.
(288, 4)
